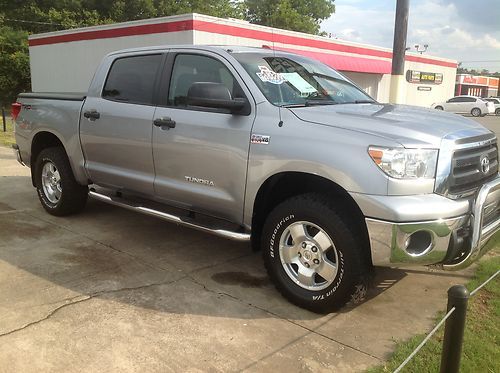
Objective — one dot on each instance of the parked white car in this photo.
(496, 103)
(476, 106)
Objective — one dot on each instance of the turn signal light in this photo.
(376, 155)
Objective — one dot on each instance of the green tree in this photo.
(18, 18)
(14, 64)
(296, 15)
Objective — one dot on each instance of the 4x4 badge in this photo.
(260, 139)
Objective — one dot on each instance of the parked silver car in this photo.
(475, 106)
(496, 103)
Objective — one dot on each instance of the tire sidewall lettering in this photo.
(39, 189)
(314, 295)
(275, 231)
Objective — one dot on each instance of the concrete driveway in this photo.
(111, 290)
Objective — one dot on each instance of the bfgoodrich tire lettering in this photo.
(62, 196)
(320, 292)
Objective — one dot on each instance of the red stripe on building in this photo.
(155, 28)
(225, 30)
(344, 63)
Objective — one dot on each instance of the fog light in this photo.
(418, 243)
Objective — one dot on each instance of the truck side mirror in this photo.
(216, 96)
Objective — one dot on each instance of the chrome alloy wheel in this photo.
(51, 182)
(308, 255)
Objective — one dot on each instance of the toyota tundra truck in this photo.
(272, 148)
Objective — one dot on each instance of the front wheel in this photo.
(313, 255)
(439, 108)
(476, 112)
(57, 188)
(497, 111)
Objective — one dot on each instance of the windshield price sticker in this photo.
(267, 75)
(300, 83)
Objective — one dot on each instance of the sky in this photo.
(464, 30)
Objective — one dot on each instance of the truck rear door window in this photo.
(132, 79)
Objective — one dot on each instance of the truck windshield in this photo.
(292, 80)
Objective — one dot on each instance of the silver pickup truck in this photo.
(273, 148)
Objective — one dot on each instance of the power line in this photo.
(481, 61)
(35, 22)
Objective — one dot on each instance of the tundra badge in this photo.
(199, 181)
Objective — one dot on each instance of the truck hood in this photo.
(410, 126)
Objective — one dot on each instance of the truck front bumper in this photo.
(453, 242)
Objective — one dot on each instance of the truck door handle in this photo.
(164, 122)
(92, 114)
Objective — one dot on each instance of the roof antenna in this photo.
(280, 123)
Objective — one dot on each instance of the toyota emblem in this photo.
(485, 164)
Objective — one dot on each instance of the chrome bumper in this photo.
(485, 222)
(453, 243)
(15, 147)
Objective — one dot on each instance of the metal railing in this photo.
(455, 317)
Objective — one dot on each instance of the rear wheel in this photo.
(57, 188)
(313, 255)
(497, 111)
(476, 112)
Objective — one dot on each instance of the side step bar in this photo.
(236, 236)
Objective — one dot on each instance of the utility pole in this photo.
(397, 95)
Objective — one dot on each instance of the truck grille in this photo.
(467, 171)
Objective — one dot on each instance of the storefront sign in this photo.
(413, 76)
(475, 80)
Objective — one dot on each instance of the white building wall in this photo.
(384, 88)
(368, 82)
(438, 93)
(69, 67)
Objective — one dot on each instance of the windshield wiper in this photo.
(360, 102)
(319, 102)
(310, 103)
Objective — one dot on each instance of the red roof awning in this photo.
(344, 63)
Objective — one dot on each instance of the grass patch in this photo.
(7, 138)
(481, 348)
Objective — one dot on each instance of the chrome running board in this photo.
(187, 222)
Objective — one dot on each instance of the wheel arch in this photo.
(42, 140)
(281, 186)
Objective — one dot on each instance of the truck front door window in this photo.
(192, 68)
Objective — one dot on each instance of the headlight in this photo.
(402, 163)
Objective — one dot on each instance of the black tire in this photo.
(349, 283)
(73, 196)
(439, 108)
(497, 111)
(476, 112)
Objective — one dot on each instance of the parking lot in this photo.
(111, 290)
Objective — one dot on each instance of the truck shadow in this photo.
(110, 253)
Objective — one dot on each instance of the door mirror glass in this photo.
(213, 95)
